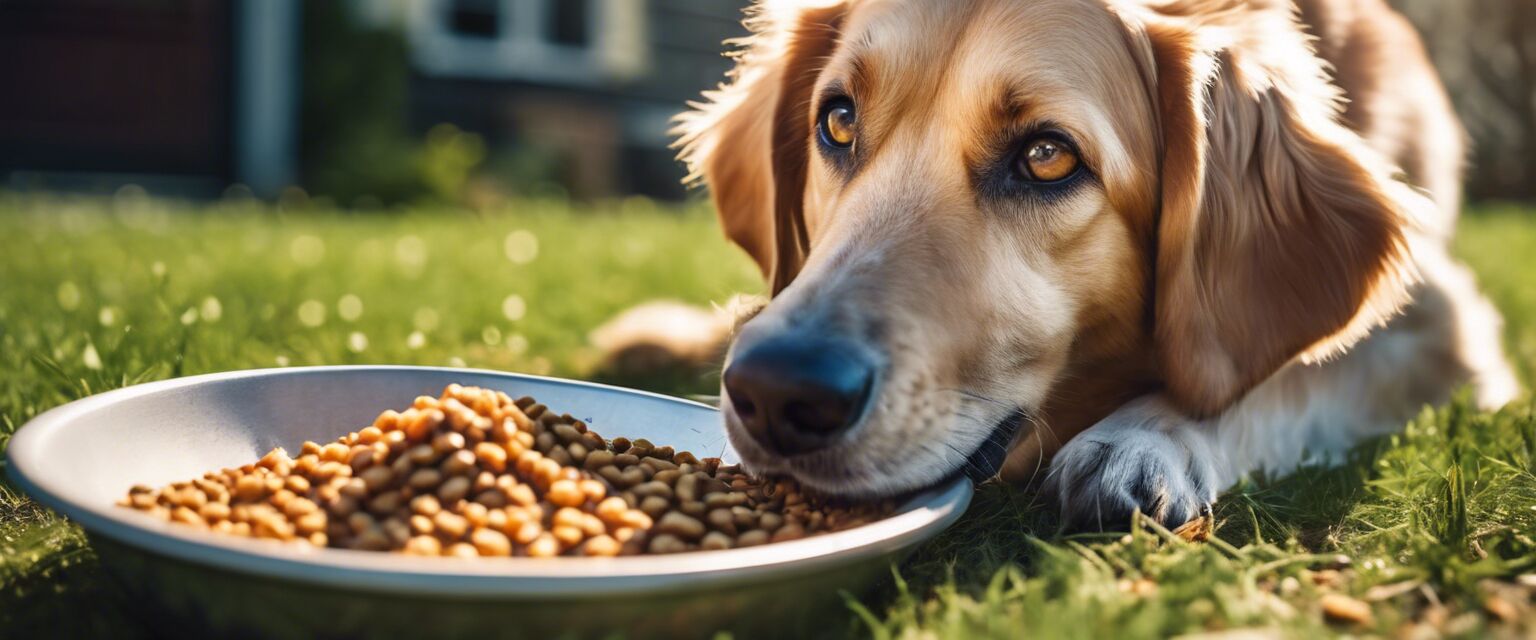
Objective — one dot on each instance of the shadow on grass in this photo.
(53, 585)
(1007, 529)
(1308, 505)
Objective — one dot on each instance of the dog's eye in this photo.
(837, 125)
(1047, 159)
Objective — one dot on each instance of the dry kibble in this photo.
(722, 520)
(483, 482)
(185, 515)
(476, 514)
(386, 502)
(454, 489)
(376, 478)
(421, 454)
(522, 494)
(423, 546)
(250, 488)
(788, 532)
(1343, 608)
(601, 545)
(459, 462)
(353, 488)
(214, 512)
(593, 490)
(611, 509)
(635, 519)
(472, 473)
(422, 525)
(716, 540)
(492, 499)
(654, 506)
(490, 542)
(681, 526)
(527, 533)
(448, 442)
(568, 536)
(334, 452)
(450, 524)
(667, 543)
(752, 538)
(565, 493)
(544, 546)
(597, 460)
(425, 479)
(491, 456)
(426, 504)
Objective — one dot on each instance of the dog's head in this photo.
(977, 212)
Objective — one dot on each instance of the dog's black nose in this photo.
(796, 394)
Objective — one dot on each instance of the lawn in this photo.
(1431, 532)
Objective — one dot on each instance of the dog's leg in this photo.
(664, 336)
(1149, 456)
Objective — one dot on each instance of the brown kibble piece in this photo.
(601, 546)
(680, 525)
(1341, 608)
(666, 543)
(490, 542)
(716, 540)
(424, 546)
(752, 538)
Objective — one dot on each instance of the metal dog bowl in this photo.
(81, 457)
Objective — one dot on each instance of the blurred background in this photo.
(363, 102)
(372, 102)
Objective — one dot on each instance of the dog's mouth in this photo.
(829, 470)
(987, 460)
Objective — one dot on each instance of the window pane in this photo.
(475, 18)
(568, 22)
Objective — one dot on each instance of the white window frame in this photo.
(521, 51)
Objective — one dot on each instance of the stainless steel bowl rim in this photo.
(920, 518)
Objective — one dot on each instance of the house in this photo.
(593, 83)
(191, 96)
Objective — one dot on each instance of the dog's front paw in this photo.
(1117, 467)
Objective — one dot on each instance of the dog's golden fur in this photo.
(1245, 214)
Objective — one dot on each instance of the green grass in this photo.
(1431, 527)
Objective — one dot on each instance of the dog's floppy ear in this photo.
(748, 141)
(1280, 233)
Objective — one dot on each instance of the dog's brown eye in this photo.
(837, 125)
(1047, 160)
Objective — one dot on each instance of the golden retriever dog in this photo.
(1129, 250)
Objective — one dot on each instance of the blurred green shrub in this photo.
(357, 145)
(447, 160)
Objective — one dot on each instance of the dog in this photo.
(1127, 251)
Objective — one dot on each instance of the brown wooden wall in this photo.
(135, 86)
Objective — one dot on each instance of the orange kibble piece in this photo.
(491, 456)
(490, 542)
(545, 546)
(601, 546)
(565, 493)
(593, 490)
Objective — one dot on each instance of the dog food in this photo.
(474, 473)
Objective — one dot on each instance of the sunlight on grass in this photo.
(1427, 528)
